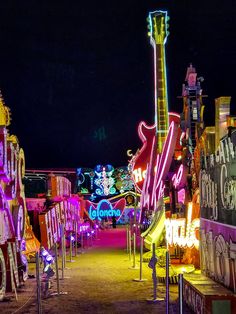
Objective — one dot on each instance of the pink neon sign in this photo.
(148, 136)
(157, 170)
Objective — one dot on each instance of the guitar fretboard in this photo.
(161, 101)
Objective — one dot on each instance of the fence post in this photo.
(180, 293)
(71, 249)
(76, 238)
(39, 307)
(57, 272)
(127, 239)
(130, 244)
(62, 252)
(167, 282)
(141, 262)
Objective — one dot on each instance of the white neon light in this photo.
(182, 233)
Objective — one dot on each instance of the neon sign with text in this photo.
(105, 209)
(153, 187)
(181, 232)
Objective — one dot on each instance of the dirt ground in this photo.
(98, 281)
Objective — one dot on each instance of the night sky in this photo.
(78, 75)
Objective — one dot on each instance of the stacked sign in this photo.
(13, 214)
(218, 213)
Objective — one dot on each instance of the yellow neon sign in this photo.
(181, 232)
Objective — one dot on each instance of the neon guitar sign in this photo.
(159, 141)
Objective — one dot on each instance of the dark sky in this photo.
(78, 75)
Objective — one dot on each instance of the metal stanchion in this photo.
(82, 242)
(57, 274)
(62, 252)
(152, 265)
(71, 248)
(180, 293)
(39, 306)
(167, 282)
(130, 248)
(64, 246)
(76, 238)
(127, 239)
(141, 262)
(134, 252)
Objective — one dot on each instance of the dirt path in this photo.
(101, 281)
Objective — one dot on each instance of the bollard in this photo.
(141, 262)
(167, 282)
(180, 293)
(39, 306)
(152, 265)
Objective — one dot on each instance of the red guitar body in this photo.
(149, 140)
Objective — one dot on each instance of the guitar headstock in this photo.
(158, 26)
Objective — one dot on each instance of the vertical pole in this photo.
(141, 262)
(39, 308)
(57, 271)
(154, 276)
(127, 239)
(141, 259)
(180, 293)
(134, 250)
(76, 238)
(64, 245)
(130, 244)
(62, 252)
(167, 282)
(70, 246)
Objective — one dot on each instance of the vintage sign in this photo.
(13, 214)
(218, 183)
(218, 213)
(182, 231)
(50, 220)
(105, 209)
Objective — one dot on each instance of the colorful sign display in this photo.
(183, 232)
(13, 214)
(59, 186)
(157, 170)
(105, 209)
(218, 183)
(218, 213)
(66, 212)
